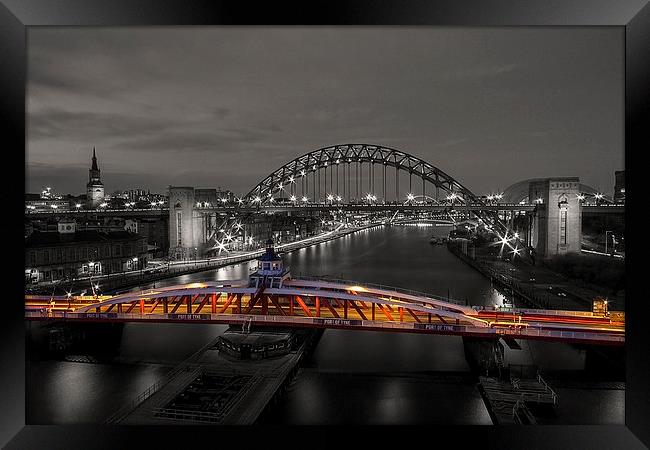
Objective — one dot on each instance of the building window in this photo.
(563, 223)
(179, 221)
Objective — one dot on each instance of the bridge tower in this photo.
(191, 222)
(182, 241)
(557, 224)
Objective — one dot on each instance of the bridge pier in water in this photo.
(484, 355)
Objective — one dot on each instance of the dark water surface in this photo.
(352, 376)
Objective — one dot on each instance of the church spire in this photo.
(94, 166)
(95, 187)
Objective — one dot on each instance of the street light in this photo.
(599, 197)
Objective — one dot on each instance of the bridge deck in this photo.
(327, 304)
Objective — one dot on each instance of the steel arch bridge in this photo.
(300, 183)
(344, 156)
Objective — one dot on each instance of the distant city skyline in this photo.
(225, 106)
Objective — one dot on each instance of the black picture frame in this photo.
(16, 15)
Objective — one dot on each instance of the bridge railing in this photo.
(548, 312)
(384, 287)
(185, 366)
(610, 336)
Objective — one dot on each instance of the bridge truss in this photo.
(322, 303)
(339, 162)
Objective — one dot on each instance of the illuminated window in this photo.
(563, 220)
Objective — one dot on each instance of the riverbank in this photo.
(111, 284)
(536, 286)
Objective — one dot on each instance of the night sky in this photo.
(225, 106)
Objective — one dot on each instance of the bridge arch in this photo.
(295, 182)
(339, 155)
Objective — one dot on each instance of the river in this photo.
(352, 376)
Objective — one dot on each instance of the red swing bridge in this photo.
(272, 297)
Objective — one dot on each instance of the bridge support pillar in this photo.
(557, 223)
(182, 243)
(484, 355)
(190, 224)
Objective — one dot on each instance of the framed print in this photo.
(412, 214)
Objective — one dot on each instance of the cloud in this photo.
(452, 142)
(52, 123)
(216, 141)
(480, 71)
(229, 105)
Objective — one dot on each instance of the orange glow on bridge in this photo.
(323, 303)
